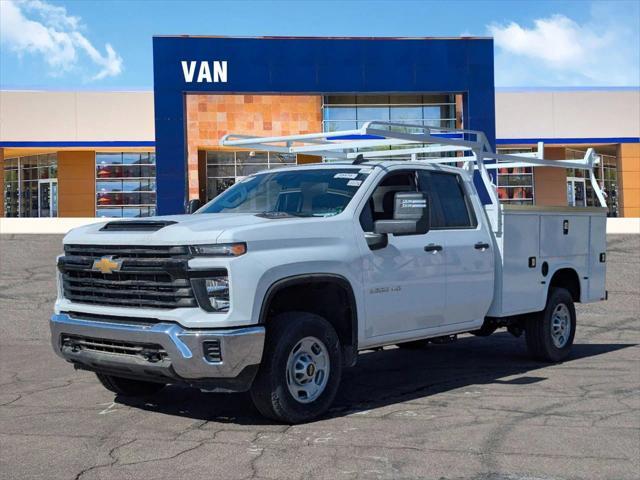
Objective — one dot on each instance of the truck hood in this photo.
(187, 229)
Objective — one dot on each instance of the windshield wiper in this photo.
(277, 214)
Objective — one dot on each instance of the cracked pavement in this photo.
(477, 408)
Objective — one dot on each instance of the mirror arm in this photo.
(193, 205)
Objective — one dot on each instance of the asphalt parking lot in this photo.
(477, 408)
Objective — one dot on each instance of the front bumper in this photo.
(161, 352)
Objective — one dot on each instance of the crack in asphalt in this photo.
(111, 455)
(450, 412)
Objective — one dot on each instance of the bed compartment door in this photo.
(597, 268)
(564, 236)
(521, 287)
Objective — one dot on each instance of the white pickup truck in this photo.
(276, 284)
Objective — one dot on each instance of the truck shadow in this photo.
(386, 377)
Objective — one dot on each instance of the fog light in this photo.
(218, 293)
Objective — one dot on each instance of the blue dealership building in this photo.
(340, 83)
(130, 154)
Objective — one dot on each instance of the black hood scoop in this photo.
(136, 225)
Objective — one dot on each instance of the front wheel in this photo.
(300, 370)
(550, 333)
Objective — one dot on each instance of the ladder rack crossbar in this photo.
(413, 140)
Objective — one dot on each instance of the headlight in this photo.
(218, 293)
(59, 284)
(219, 250)
(59, 279)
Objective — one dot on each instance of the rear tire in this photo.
(550, 333)
(128, 387)
(301, 368)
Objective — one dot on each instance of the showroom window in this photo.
(515, 185)
(125, 184)
(31, 186)
(225, 167)
(347, 112)
(579, 190)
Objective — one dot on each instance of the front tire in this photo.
(550, 333)
(128, 387)
(301, 368)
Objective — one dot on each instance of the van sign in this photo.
(207, 72)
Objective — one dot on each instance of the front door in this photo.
(404, 283)
(576, 192)
(48, 198)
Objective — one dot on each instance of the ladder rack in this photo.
(409, 141)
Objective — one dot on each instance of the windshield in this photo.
(304, 192)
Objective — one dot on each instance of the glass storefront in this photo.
(125, 184)
(30, 186)
(515, 185)
(348, 112)
(225, 167)
(579, 190)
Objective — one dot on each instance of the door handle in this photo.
(481, 246)
(432, 247)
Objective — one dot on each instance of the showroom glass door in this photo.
(576, 192)
(48, 198)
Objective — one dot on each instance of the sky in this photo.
(107, 45)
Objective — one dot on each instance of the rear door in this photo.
(467, 245)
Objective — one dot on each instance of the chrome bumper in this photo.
(185, 361)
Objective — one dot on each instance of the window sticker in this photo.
(366, 170)
(346, 175)
(354, 183)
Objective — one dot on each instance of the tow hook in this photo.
(151, 356)
(74, 346)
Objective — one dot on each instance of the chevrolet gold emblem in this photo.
(107, 265)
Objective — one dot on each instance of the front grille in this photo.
(147, 351)
(148, 277)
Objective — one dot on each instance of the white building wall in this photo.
(76, 116)
(128, 116)
(568, 114)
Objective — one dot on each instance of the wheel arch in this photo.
(300, 293)
(568, 278)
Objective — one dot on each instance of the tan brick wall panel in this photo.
(76, 184)
(629, 178)
(209, 117)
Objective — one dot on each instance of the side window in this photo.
(449, 206)
(380, 204)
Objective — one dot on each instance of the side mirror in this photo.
(193, 205)
(376, 241)
(411, 215)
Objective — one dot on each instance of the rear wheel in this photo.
(128, 387)
(300, 370)
(550, 333)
